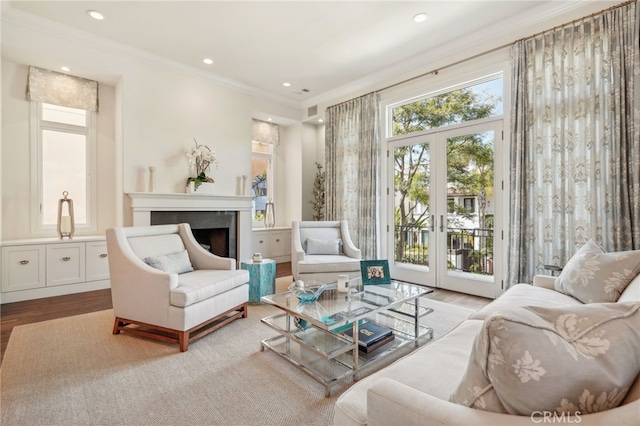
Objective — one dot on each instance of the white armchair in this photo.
(187, 294)
(322, 250)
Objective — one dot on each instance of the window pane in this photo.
(259, 185)
(60, 114)
(63, 169)
(467, 104)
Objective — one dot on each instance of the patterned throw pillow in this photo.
(592, 275)
(580, 359)
(315, 246)
(177, 263)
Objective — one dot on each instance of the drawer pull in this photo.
(277, 240)
(103, 255)
(66, 259)
(261, 241)
(24, 262)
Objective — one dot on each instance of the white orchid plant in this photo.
(201, 157)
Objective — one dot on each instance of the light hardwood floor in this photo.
(30, 311)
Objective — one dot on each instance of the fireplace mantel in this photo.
(152, 201)
(143, 203)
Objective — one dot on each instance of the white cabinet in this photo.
(65, 264)
(273, 243)
(97, 261)
(32, 269)
(23, 267)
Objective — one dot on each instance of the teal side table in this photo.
(262, 278)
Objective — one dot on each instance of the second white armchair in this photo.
(322, 250)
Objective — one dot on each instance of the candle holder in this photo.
(269, 215)
(66, 222)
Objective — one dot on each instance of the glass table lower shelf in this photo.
(330, 356)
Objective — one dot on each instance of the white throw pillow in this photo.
(594, 276)
(581, 358)
(177, 263)
(316, 246)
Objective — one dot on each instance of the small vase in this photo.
(152, 178)
(206, 188)
(190, 188)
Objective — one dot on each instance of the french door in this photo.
(445, 209)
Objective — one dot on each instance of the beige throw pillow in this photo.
(177, 263)
(592, 275)
(316, 246)
(578, 359)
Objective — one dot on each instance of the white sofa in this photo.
(415, 390)
(333, 251)
(183, 297)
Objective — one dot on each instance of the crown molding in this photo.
(51, 28)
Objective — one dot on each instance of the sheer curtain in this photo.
(351, 164)
(575, 150)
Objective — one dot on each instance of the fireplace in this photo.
(216, 231)
(142, 204)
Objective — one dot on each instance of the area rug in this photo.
(73, 371)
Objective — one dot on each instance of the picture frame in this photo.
(375, 272)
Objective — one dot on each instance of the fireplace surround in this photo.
(223, 213)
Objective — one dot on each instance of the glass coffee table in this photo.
(316, 336)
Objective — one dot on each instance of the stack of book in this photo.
(371, 336)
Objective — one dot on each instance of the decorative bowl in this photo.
(307, 292)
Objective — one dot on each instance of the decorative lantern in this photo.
(269, 215)
(66, 222)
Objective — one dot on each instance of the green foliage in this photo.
(198, 180)
(318, 200)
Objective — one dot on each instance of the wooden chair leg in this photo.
(116, 326)
(245, 309)
(183, 339)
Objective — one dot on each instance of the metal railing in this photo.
(468, 249)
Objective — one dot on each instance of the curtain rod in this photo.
(435, 71)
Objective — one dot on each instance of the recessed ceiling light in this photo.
(208, 61)
(65, 69)
(286, 84)
(95, 15)
(269, 119)
(320, 120)
(420, 17)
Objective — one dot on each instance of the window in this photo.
(63, 139)
(264, 139)
(469, 205)
(470, 102)
(261, 177)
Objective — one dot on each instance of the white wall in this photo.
(152, 112)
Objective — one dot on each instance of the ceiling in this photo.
(318, 47)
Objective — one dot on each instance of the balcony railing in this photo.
(468, 249)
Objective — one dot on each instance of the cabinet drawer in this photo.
(278, 244)
(23, 268)
(260, 244)
(97, 261)
(65, 264)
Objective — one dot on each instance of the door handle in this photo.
(433, 223)
(441, 224)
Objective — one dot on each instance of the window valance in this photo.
(62, 89)
(264, 132)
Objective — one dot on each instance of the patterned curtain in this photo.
(575, 149)
(352, 169)
(62, 89)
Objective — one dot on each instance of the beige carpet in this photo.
(73, 371)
